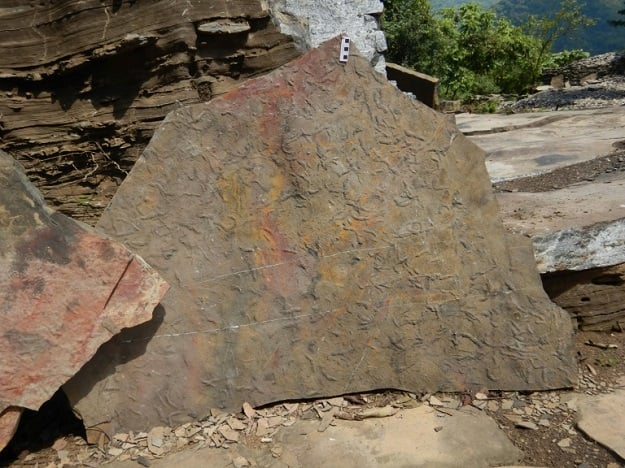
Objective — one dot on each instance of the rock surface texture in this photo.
(323, 234)
(561, 178)
(64, 290)
(601, 417)
(313, 22)
(84, 84)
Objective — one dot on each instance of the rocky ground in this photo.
(609, 91)
(543, 425)
(600, 169)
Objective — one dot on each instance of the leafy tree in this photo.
(560, 59)
(469, 49)
(568, 19)
(494, 52)
(413, 33)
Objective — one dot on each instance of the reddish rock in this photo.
(64, 290)
(9, 419)
(323, 234)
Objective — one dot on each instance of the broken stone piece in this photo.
(224, 26)
(581, 248)
(9, 419)
(64, 290)
(601, 418)
(324, 234)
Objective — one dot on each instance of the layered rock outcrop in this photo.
(588, 69)
(84, 84)
(323, 234)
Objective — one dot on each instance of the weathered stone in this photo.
(84, 84)
(313, 22)
(579, 71)
(601, 418)
(323, 234)
(64, 291)
(9, 419)
(581, 248)
(419, 437)
(224, 26)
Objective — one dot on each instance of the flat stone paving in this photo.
(582, 222)
(602, 418)
(520, 145)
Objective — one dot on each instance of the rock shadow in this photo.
(127, 345)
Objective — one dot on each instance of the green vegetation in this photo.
(559, 59)
(554, 25)
(606, 360)
(471, 49)
(596, 39)
(440, 4)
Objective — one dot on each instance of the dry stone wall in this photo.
(588, 69)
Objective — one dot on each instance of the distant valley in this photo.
(597, 39)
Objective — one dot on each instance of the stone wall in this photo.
(586, 69)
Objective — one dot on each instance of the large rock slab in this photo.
(64, 290)
(323, 234)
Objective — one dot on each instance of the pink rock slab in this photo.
(65, 290)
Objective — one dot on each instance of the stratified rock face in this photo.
(84, 84)
(595, 298)
(323, 234)
(64, 290)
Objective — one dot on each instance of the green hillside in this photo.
(596, 39)
(438, 4)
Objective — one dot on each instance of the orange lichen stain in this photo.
(277, 184)
(277, 260)
(334, 273)
(235, 194)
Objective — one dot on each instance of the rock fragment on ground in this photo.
(323, 234)
(600, 417)
(64, 290)
(421, 436)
